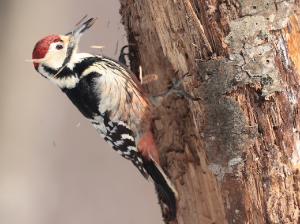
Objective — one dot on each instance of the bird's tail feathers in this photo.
(163, 183)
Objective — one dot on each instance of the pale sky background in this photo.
(52, 171)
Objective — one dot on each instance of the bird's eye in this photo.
(59, 47)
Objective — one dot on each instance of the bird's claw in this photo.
(122, 55)
(178, 91)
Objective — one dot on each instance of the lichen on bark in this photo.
(251, 61)
(243, 59)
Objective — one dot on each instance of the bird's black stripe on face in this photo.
(66, 72)
(69, 53)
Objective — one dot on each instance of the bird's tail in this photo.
(163, 183)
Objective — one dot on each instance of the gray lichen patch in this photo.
(253, 7)
(220, 170)
(245, 30)
(251, 60)
(277, 19)
(226, 133)
(249, 38)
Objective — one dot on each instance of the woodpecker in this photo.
(110, 96)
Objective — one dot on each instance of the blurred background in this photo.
(54, 166)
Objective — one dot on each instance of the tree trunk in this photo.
(234, 155)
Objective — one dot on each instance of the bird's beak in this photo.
(74, 38)
(77, 33)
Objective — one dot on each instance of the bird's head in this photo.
(54, 52)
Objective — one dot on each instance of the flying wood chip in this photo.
(81, 20)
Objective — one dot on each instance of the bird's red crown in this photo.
(41, 47)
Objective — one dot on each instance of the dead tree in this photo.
(234, 155)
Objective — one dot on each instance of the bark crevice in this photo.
(244, 58)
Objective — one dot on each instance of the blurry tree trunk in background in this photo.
(234, 155)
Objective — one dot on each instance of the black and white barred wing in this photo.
(120, 93)
(120, 138)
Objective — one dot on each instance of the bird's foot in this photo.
(122, 55)
(178, 91)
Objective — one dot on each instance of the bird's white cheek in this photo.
(56, 59)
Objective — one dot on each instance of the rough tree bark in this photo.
(234, 155)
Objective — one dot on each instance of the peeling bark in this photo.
(233, 156)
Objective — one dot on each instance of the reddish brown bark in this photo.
(233, 156)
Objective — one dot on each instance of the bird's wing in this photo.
(119, 136)
(119, 92)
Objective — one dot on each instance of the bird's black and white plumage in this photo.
(109, 95)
